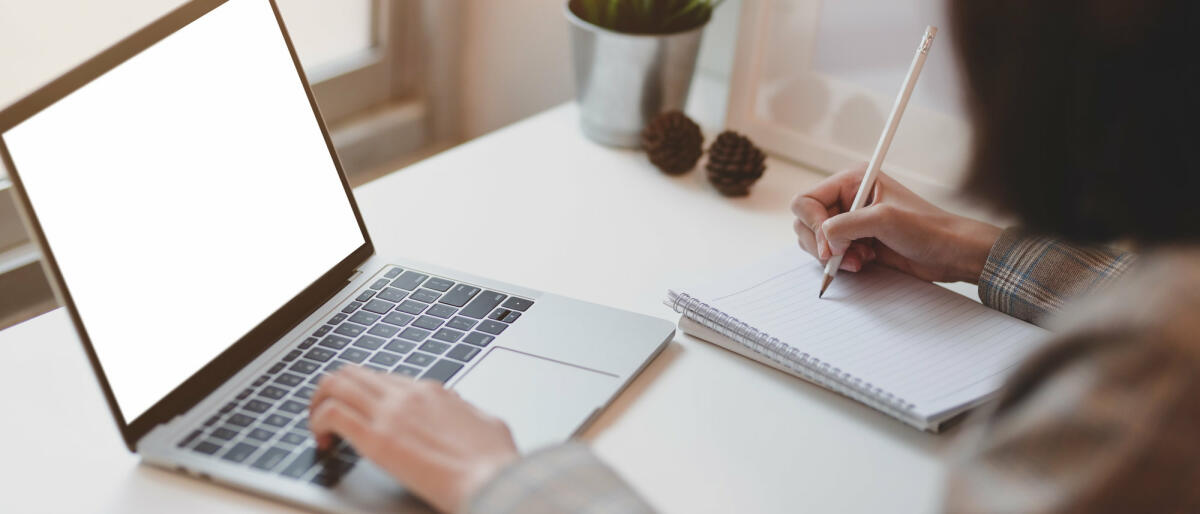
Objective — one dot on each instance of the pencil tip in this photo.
(825, 285)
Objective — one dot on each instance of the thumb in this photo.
(870, 221)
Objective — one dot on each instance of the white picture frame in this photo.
(786, 102)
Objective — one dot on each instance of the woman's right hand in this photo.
(896, 228)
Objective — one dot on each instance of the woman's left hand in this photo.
(427, 437)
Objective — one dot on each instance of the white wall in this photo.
(41, 39)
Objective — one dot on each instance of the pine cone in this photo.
(673, 142)
(734, 164)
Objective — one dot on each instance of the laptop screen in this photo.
(187, 194)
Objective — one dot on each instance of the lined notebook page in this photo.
(920, 342)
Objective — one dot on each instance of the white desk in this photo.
(702, 430)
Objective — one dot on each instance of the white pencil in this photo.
(885, 141)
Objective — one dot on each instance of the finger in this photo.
(843, 229)
(857, 257)
(377, 381)
(810, 214)
(348, 389)
(805, 237)
(334, 417)
(837, 190)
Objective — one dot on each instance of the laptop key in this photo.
(393, 273)
(227, 407)
(492, 327)
(383, 330)
(272, 392)
(399, 346)
(239, 452)
(420, 359)
(370, 342)
(364, 296)
(324, 329)
(482, 304)
(511, 317)
(245, 393)
(350, 329)
(301, 464)
(391, 294)
(355, 355)
(398, 318)
(337, 318)
(224, 433)
(385, 359)
(261, 434)
(407, 371)
(335, 342)
(439, 284)
(379, 306)
(275, 368)
(518, 304)
(447, 335)
(432, 346)
(271, 458)
(378, 284)
(463, 352)
(461, 323)
(212, 421)
(441, 310)
(291, 356)
(308, 343)
(302, 424)
(353, 306)
(289, 380)
(427, 322)
(411, 307)
(319, 354)
(293, 438)
(425, 295)
(499, 313)
(364, 318)
(478, 339)
(277, 420)
(207, 447)
(442, 371)
(334, 366)
(191, 437)
(414, 334)
(380, 369)
(409, 280)
(305, 393)
(257, 406)
(304, 367)
(260, 380)
(293, 407)
(459, 295)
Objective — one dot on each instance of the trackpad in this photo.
(542, 401)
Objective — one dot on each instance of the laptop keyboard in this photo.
(405, 322)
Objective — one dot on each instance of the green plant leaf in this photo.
(611, 20)
(690, 8)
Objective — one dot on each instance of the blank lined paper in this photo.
(924, 344)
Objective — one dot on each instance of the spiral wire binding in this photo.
(807, 366)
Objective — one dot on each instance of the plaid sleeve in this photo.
(1030, 277)
(567, 478)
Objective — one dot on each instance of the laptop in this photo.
(195, 221)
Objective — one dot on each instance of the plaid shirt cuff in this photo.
(567, 478)
(1031, 277)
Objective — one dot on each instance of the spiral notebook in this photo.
(910, 349)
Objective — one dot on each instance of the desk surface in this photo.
(701, 430)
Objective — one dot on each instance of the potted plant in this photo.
(633, 59)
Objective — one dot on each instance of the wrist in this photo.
(975, 243)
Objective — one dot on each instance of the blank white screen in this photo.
(186, 194)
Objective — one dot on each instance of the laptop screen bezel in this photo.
(257, 340)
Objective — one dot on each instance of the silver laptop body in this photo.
(196, 223)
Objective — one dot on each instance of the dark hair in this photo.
(1085, 114)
